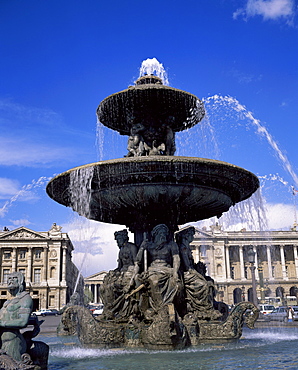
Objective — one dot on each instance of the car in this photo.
(46, 312)
(266, 308)
(281, 314)
(98, 310)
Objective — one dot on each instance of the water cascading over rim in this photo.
(143, 191)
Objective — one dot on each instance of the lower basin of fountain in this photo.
(141, 192)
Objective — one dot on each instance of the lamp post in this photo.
(261, 278)
(243, 293)
(251, 259)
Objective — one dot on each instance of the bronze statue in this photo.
(135, 144)
(198, 290)
(14, 315)
(17, 348)
(116, 282)
(163, 266)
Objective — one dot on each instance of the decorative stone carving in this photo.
(22, 234)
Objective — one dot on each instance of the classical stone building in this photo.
(225, 254)
(45, 260)
(93, 283)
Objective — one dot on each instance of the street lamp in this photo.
(243, 293)
(251, 259)
(262, 289)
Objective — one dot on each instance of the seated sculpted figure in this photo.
(14, 315)
(163, 260)
(198, 291)
(135, 144)
(116, 281)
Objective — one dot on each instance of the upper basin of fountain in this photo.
(141, 192)
(151, 103)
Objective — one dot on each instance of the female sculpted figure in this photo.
(116, 281)
(14, 315)
(198, 291)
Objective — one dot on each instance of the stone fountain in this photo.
(157, 297)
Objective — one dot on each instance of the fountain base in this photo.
(166, 331)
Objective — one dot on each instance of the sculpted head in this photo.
(121, 237)
(16, 282)
(185, 235)
(160, 233)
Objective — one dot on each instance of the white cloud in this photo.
(8, 187)
(21, 152)
(21, 222)
(280, 216)
(268, 9)
(94, 244)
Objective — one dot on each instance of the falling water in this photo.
(243, 113)
(153, 67)
(80, 188)
(42, 181)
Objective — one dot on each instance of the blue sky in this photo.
(59, 59)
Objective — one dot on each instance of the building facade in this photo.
(225, 254)
(93, 283)
(45, 260)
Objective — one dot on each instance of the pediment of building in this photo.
(203, 234)
(21, 233)
(95, 277)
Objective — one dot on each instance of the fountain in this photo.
(157, 297)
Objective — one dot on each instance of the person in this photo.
(290, 314)
(14, 315)
(114, 288)
(161, 276)
(199, 291)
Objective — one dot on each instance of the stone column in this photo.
(296, 260)
(64, 264)
(95, 293)
(14, 259)
(242, 275)
(228, 267)
(29, 259)
(269, 262)
(197, 255)
(283, 262)
(256, 263)
(45, 264)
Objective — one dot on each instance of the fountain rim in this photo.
(167, 159)
(143, 88)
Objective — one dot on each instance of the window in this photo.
(37, 253)
(51, 300)
(7, 255)
(23, 271)
(232, 272)
(22, 254)
(6, 272)
(3, 292)
(245, 272)
(52, 272)
(273, 271)
(37, 274)
(203, 250)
